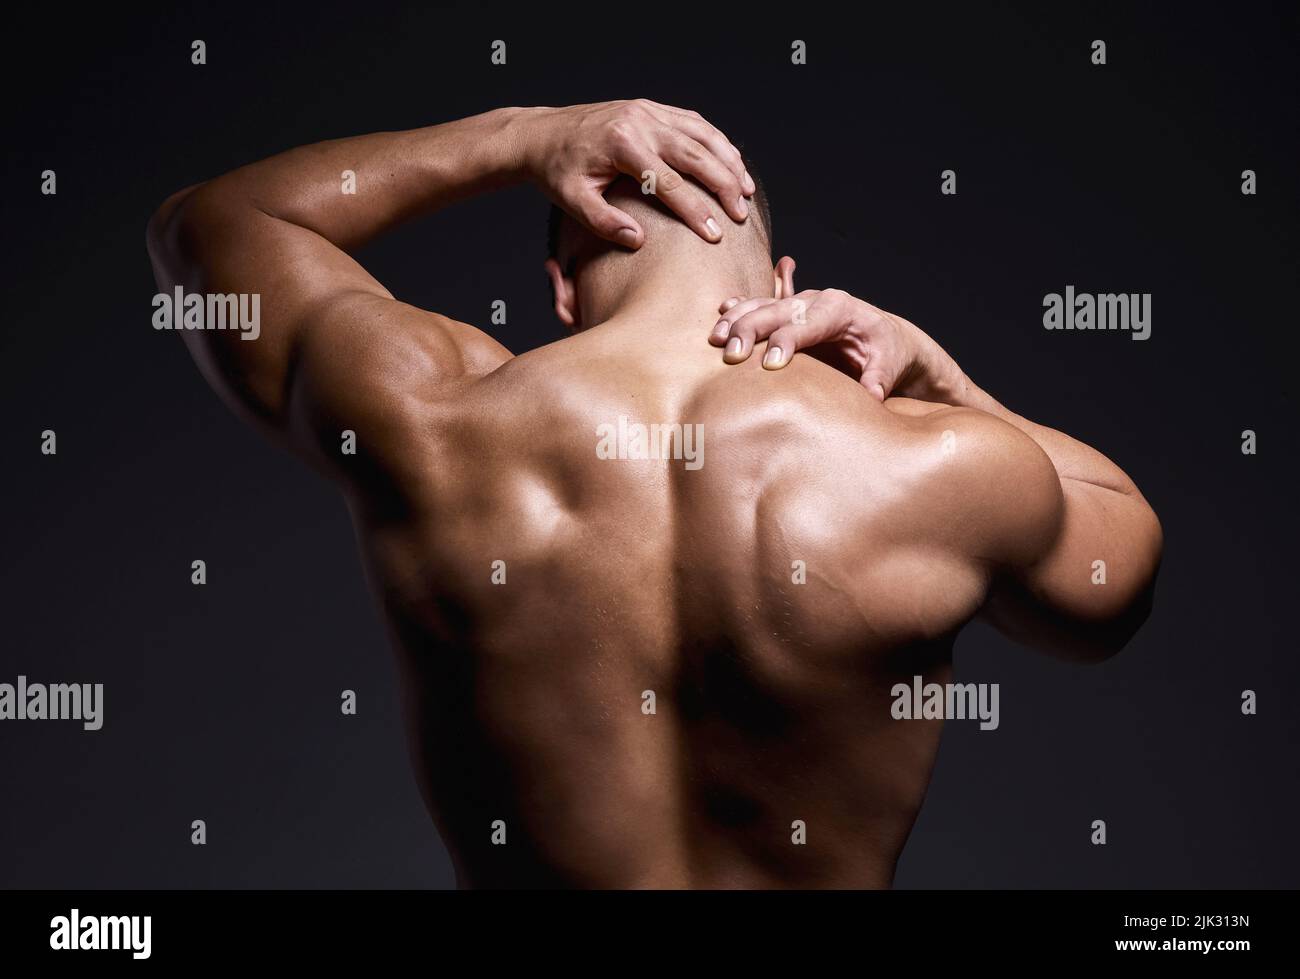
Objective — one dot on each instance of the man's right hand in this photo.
(575, 153)
(885, 353)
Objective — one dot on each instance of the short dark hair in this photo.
(758, 202)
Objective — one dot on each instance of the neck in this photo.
(676, 292)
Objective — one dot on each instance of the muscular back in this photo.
(671, 665)
(636, 670)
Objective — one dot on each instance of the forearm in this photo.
(279, 231)
(397, 176)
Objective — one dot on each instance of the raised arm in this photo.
(1049, 591)
(333, 348)
(281, 230)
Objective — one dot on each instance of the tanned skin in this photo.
(913, 499)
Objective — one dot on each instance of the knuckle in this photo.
(668, 180)
(839, 301)
(622, 131)
(721, 175)
(692, 153)
(570, 194)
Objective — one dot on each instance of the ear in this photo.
(783, 276)
(566, 296)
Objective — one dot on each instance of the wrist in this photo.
(501, 140)
(946, 381)
(524, 132)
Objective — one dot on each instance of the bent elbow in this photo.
(162, 236)
(1114, 637)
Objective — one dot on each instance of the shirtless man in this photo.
(613, 663)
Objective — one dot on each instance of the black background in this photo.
(222, 702)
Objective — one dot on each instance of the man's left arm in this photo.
(333, 347)
(329, 334)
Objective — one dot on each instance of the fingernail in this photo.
(626, 236)
(721, 329)
(734, 346)
(713, 228)
(773, 357)
(744, 208)
(729, 303)
(750, 186)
